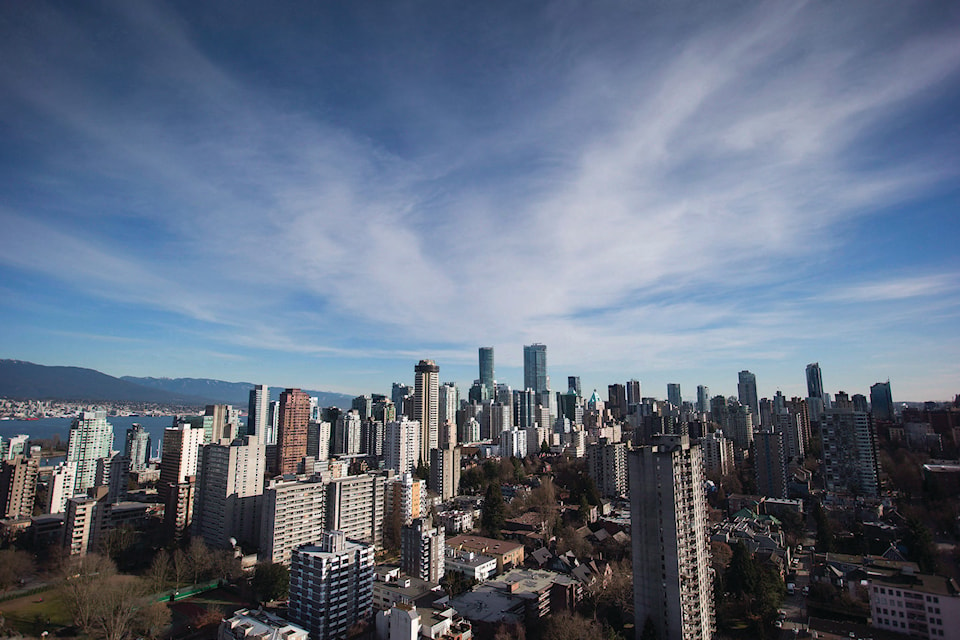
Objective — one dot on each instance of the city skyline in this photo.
(319, 198)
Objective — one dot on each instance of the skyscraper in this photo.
(137, 447)
(448, 403)
(18, 486)
(881, 401)
(814, 381)
(850, 457)
(673, 394)
(293, 418)
(747, 392)
(426, 405)
(445, 472)
(617, 400)
(486, 369)
(258, 412)
(633, 395)
(535, 368)
(573, 383)
(672, 586)
(91, 438)
(703, 398)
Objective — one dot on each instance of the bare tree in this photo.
(14, 566)
(181, 567)
(199, 557)
(158, 575)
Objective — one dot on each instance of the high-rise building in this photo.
(346, 434)
(406, 499)
(258, 412)
(535, 368)
(401, 448)
(113, 472)
(216, 423)
(60, 488)
(703, 398)
(526, 407)
(445, 472)
(293, 514)
(448, 403)
(91, 438)
(18, 486)
(881, 401)
(573, 384)
(617, 400)
(513, 443)
(486, 370)
(717, 454)
(633, 395)
(673, 394)
(293, 418)
(229, 486)
(814, 381)
(672, 585)
(422, 550)
(137, 447)
(363, 405)
(770, 464)
(331, 585)
(178, 471)
(355, 506)
(850, 459)
(426, 405)
(607, 465)
(739, 426)
(747, 392)
(788, 426)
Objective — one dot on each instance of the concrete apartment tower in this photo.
(137, 447)
(91, 438)
(258, 412)
(426, 406)
(672, 585)
(229, 488)
(421, 550)
(292, 421)
(18, 486)
(178, 471)
(401, 447)
(331, 585)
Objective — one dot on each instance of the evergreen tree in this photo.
(493, 510)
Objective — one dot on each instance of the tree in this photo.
(544, 448)
(919, 542)
(742, 576)
(826, 538)
(111, 606)
(14, 566)
(493, 510)
(271, 581)
(199, 557)
(158, 575)
(564, 625)
(422, 471)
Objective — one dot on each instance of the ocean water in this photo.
(48, 427)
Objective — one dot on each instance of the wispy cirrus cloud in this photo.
(612, 191)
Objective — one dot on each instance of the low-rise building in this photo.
(507, 554)
(474, 566)
(259, 625)
(921, 605)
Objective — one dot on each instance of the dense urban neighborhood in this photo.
(502, 513)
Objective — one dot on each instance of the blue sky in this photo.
(321, 194)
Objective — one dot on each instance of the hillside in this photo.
(235, 393)
(28, 381)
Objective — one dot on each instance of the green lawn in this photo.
(32, 615)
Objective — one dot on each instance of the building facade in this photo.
(672, 585)
(292, 420)
(331, 585)
(426, 405)
(422, 550)
(91, 438)
(293, 514)
(229, 488)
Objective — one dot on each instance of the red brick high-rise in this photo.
(292, 430)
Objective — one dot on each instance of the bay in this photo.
(48, 427)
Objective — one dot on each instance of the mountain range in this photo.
(28, 381)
